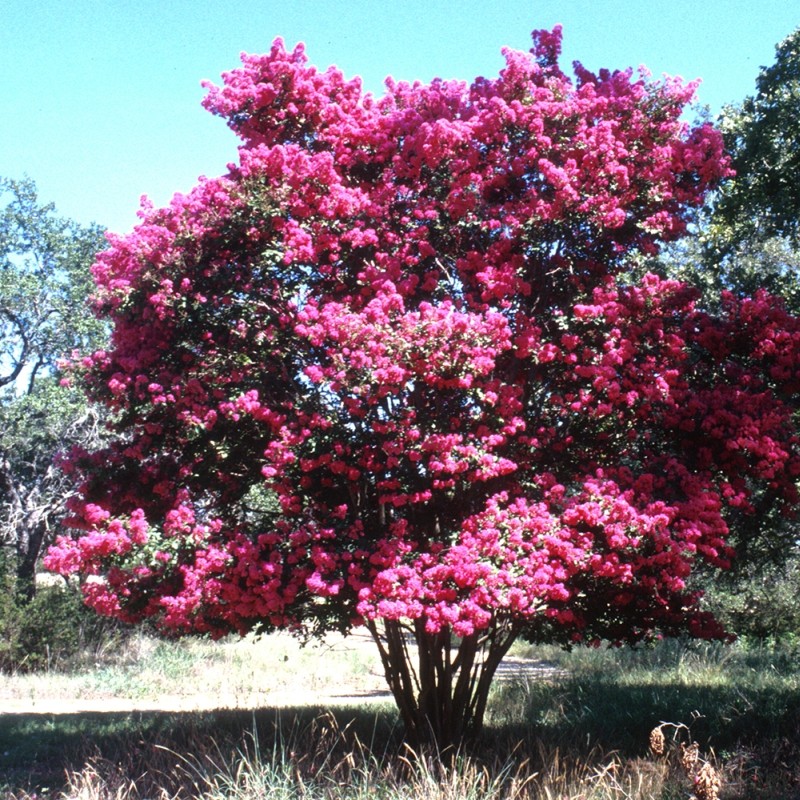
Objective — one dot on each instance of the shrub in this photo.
(761, 604)
(53, 630)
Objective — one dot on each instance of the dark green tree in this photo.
(763, 200)
(44, 285)
(748, 239)
(749, 236)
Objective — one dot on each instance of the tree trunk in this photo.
(27, 519)
(29, 546)
(440, 683)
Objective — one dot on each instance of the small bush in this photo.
(761, 604)
(53, 630)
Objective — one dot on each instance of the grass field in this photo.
(270, 719)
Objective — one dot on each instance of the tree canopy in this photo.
(393, 369)
(763, 200)
(44, 285)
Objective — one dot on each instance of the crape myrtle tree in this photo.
(390, 371)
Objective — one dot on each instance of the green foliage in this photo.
(37, 423)
(50, 631)
(710, 262)
(45, 282)
(750, 236)
(763, 200)
(760, 603)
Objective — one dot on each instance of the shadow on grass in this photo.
(578, 717)
(758, 725)
(38, 750)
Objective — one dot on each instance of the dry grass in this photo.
(584, 733)
(324, 762)
(148, 673)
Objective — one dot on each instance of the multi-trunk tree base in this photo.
(440, 682)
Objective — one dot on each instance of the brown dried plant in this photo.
(689, 756)
(707, 783)
(658, 743)
(705, 778)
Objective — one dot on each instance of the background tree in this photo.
(746, 240)
(763, 200)
(749, 236)
(393, 369)
(44, 288)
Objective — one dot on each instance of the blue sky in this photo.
(100, 99)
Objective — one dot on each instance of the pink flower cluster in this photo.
(393, 365)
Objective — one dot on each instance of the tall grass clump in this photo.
(322, 759)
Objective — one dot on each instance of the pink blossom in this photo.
(394, 365)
